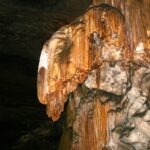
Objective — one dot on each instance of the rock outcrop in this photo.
(100, 64)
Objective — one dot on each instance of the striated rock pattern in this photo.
(100, 64)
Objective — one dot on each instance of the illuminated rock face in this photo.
(100, 64)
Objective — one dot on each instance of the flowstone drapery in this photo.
(100, 64)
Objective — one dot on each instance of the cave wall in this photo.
(100, 64)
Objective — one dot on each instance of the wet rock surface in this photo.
(103, 75)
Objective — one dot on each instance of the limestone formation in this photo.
(100, 65)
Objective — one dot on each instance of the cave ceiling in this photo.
(26, 24)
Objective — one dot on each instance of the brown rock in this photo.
(102, 62)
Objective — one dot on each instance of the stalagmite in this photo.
(100, 65)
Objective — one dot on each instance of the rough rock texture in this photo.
(100, 63)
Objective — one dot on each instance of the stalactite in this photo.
(100, 65)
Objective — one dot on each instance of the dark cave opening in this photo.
(24, 27)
